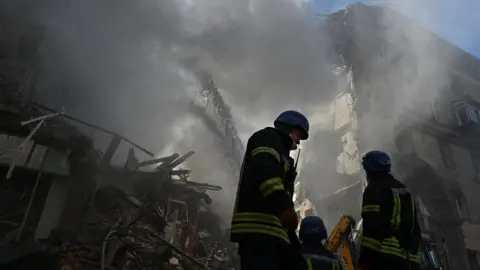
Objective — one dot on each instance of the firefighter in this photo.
(264, 214)
(312, 236)
(391, 234)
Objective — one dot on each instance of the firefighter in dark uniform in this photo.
(312, 236)
(264, 216)
(391, 234)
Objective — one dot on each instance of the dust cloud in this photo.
(402, 75)
(411, 72)
(129, 66)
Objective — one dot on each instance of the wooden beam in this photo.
(95, 127)
(112, 148)
(181, 160)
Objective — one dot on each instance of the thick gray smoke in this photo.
(129, 65)
(404, 69)
(408, 69)
(412, 70)
(121, 59)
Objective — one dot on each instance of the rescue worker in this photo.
(312, 236)
(264, 214)
(391, 234)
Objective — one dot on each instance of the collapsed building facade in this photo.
(216, 114)
(433, 137)
(60, 187)
(63, 205)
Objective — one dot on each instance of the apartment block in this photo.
(416, 96)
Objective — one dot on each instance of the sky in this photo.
(455, 21)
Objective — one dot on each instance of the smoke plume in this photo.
(130, 66)
(411, 71)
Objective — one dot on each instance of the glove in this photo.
(289, 219)
(365, 267)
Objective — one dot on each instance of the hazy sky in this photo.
(456, 21)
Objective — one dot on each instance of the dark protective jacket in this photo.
(264, 190)
(319, 258)
(391, 234)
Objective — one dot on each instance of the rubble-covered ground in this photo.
(144, 220)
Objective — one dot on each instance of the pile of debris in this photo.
(143, 220)
(147, 220)
(113, 217)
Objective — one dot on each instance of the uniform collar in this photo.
(378, 178)
(287, 141)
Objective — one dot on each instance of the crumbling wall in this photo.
(392, 91)
(53, 208)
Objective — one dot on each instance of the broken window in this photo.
(466, 113)
(448, 156)
(473, 113)
(461, 113)
(461, 205)
(177, 211)
(429, 255)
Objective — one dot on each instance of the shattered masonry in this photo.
(66, 207)
(112, 216)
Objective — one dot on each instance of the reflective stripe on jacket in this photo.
(389, 222)
(389, 246)
(319, 262)
(318, 257)
(261, 194)
(253, 223)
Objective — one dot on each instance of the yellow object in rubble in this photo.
(340, 238)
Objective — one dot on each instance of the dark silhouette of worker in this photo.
(391, 234)
(264, 218)
(313, 234)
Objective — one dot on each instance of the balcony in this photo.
(467, 116)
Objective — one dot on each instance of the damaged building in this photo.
(61, 194)
(64, 205)
(426, 115)
(149, 219)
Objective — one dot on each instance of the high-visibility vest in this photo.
(252, 218)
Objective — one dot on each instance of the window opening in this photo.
(462, 210)
(448, 156)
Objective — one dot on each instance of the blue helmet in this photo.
(376, 161)
(294, 119)
(312, 229)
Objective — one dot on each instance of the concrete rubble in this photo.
(130, 218)
(155, 226)
(63, 205)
